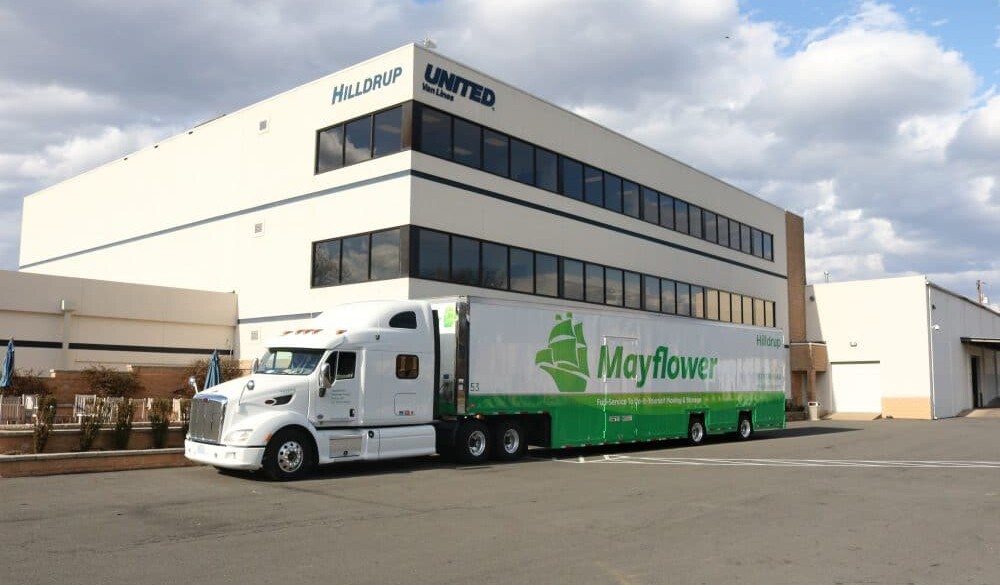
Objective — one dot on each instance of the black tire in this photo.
(508, 441)
(696, 431)
(744, 429)
(289, 456)
(472, 442)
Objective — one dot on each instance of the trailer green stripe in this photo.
(589, 419)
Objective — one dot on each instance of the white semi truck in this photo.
(481, 378)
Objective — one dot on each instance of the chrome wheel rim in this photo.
(744, 428)
(697, 432)
(476, 443)
(511, 441)
(290, 456)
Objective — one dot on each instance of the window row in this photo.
(463, 260)
(443, 135)
(361, 139)
(360, 258)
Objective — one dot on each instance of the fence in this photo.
(141, 407)
(17, 409)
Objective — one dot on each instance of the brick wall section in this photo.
(157, 382)
(89, 463)
(796, 253)
(67, 440)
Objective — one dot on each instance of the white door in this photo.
(856, 387)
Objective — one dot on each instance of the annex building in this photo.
(412, 176)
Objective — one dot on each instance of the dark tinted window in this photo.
(694, 220)
(385, 255)
(358, 141)
(522, 270)
(594, 283)
(668, 296)
(667, 211)
(468, 143)
(633, 290)
(711, 228)
(495, 153)
(464, 260)
(680, 216)
(723, 231)
(745, 242)
(650, 205)
(494, 265)
(768, 247)
(593, 186)
(613, 193)
(683, 299)
(573, 279)
(734, 234)
(614, 291)
(388, 131)
(572, 178)
(546, 275)
(326, 263)
(630, 198)
(432, 261)
(404, 320)
(757, 242)
(407, 367)
(435, 133)
(651, 293)
(522, 161)
(546, 173)
(354, 262)
(331, 149)
(346, 363)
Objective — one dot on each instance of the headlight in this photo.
(239, 436)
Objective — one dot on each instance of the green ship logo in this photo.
(565, 359)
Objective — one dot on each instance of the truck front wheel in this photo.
(508, 441)
(288, 456)
(472, 443)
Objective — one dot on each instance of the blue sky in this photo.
(878, 122)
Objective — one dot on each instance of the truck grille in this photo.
(207, 413)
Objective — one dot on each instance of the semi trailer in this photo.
(482, 378)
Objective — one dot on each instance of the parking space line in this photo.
(876, 463)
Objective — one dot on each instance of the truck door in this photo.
(620, 390)
(338, 404)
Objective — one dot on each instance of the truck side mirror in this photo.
(325, 379)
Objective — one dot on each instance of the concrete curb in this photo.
(90, 462)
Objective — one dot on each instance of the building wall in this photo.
(110, 323)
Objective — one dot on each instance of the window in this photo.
(633, 290)
(495, 153)
(326, 263)
(697, 301)
(734, 234)
(388, 132)
(573, 279)
(614, 293)
(613, 193)
(432, 258)
(769, 313)
(464, 260)
(650, 205)
(712, 304)
(354, 262)
(683, 299)
(468, 143)
(725, 308)
(546, 170)
(694, 217)
(768, 246)
(385, 255)
(546, 275)
(594, 291)
(758, 312)
(711, 233)
(404, 320)
(651, 293)
(435, 133)
(668, 296)
(747, 310)
(494, 271)
(736, 308)
(757, 242)
(680, 216)
(358, 141)
(593, 186)
(343, 363)
(667, 211)
(630, 198)
(522, 161)
(330, 153)
(745, 242)
(723, 231)
(572, 178)
(522, 270)
(407, 367)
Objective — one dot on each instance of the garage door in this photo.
(856, 387)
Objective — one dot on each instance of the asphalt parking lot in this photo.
(824, 502)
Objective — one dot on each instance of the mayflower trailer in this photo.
(481, 378)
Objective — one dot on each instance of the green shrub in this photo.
(26, 382)
(109, 382)
(185, 415)
(94, 417)
(124, 414)
(45, 417)
(159, 421)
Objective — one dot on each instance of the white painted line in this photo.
(864, 463)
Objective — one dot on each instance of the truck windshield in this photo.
(293, 362)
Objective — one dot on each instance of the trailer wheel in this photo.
(745, 428)
(508, 441)
(288, 456)
(472, 443)
(696, 431)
